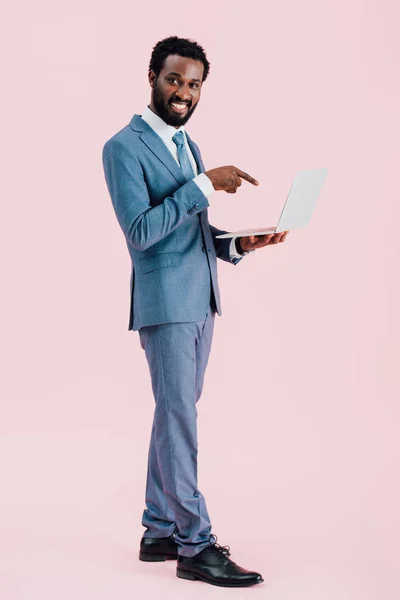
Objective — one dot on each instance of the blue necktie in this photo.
(183, 155)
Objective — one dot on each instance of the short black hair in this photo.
(176, 45)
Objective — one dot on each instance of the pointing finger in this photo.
(246, 176)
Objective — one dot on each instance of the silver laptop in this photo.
(299, 205)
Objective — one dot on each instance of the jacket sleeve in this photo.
(142, 224)
(222, 245)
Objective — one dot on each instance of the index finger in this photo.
(246, 176)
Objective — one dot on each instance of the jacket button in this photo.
(203, 248)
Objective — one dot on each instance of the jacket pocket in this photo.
(159, 260)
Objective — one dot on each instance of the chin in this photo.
(177, 120)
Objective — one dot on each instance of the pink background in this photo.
(299, 419)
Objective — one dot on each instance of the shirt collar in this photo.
(165, 131)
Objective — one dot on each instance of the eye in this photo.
(173, 79)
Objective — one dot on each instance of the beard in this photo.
(165, 112)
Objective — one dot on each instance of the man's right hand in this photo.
(228, 178)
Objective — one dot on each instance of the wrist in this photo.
(239, 248)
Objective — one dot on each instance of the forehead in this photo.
(187, 67)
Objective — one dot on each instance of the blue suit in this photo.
(174, 297)
(164, 218)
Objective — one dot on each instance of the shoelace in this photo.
(225, 550)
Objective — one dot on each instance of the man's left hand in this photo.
(252, 242)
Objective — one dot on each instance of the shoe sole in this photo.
(183, 574)
(147, 557)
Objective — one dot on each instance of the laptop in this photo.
(299, 205)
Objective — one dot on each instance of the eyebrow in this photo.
(179, 75)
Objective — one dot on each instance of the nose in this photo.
(184, 93)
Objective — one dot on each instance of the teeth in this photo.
(180, 106)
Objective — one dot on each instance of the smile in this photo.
(179, 107)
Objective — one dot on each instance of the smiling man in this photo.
(159, 190)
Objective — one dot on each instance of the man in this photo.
(160, 189)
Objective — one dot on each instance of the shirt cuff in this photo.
(232, 250)
(204, 184)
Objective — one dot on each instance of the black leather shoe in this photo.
(212, 565)
(158, 549)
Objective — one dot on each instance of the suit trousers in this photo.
(177, 355)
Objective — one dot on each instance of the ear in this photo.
(152, 78)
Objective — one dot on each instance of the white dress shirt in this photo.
(166, 132)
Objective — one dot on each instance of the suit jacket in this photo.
(164, 219)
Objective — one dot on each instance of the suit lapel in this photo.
(160, 150)
(201, 169)
(157, 146)
(196, 154)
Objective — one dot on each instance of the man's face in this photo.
(179, 82)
